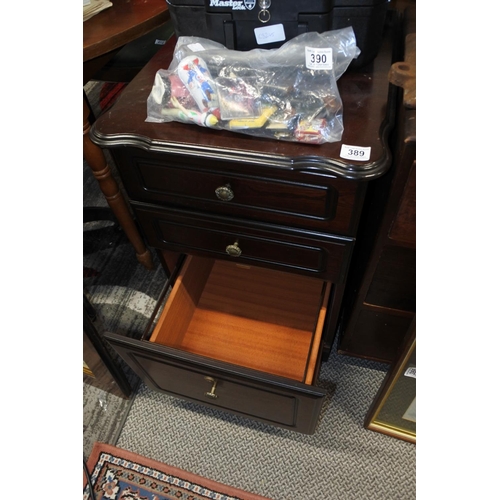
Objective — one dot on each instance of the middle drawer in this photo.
(316, 254)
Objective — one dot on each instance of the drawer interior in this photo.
(258, 318)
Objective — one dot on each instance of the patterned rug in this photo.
(118, 474)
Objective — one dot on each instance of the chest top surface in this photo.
(368, 110)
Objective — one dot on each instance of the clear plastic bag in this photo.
(289, 93)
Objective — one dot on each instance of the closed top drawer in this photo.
(295, 198)
(240, 338)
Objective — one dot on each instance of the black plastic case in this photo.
(232, 22)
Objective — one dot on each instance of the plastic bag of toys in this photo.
(289, 93)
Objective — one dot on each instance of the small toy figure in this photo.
(193, 72)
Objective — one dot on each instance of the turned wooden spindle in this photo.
(96, 160)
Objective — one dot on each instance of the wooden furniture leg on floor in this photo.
(96, 160)
(105, 372)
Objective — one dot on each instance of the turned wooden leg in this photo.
(97, 162)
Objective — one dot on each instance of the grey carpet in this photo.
(103, 417)
(341, 461)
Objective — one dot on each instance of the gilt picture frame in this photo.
(393, 411)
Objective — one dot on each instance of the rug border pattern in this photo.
(100, 458)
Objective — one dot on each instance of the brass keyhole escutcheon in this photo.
(224, 193)
(211, 394)
(233, 250)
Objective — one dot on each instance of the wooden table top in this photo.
(368, 112)
(120, 24)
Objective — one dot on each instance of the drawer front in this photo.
(323, 256)
(266, 398)
(295, 198)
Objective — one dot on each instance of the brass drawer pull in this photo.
(224, 193)
(233, 250)
(211, 394)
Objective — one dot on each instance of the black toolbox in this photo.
(233, 22)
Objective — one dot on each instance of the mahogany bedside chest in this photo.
(264, 231)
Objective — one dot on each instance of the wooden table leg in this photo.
(97, 162)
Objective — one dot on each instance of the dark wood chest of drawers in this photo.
(265, 232)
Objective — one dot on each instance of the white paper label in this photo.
(196, 47)
(319, 58)
(411, 412)
(411, 372)
(355, 153)
(269, 34)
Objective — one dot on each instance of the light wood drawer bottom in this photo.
(258, 318)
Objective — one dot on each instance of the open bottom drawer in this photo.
(244, 339)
